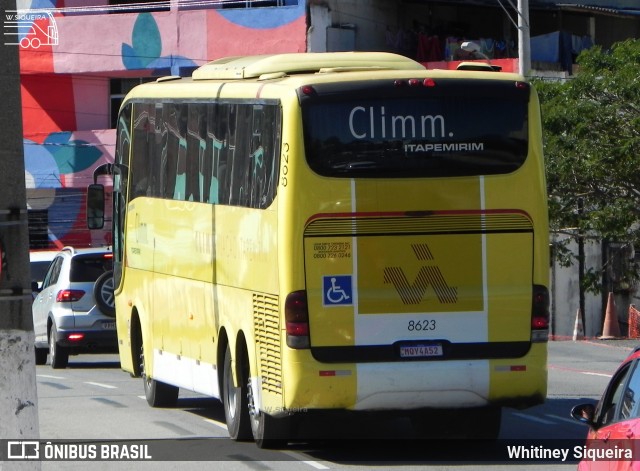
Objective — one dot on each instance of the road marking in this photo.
(596, 374)
(576, 370)
(299, 458)
(100, 385)
(50, 376)
(222, 425)
(174, 428)
(533, 418)
(55, 385)
(109, 402)
(564, 419)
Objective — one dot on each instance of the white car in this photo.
(39, 261)
(74, 310)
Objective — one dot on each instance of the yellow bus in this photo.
(304, 233)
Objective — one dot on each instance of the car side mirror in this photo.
(34, 286)
(584, 413)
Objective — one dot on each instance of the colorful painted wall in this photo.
(67, 60)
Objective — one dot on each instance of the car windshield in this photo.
(87, 268)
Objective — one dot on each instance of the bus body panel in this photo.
(172, 276)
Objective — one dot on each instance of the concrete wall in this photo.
(370, 18)
(565, 296)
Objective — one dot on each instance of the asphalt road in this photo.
(93, 400)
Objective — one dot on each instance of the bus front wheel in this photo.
(157, 393)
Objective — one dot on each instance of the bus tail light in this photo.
(69, 295)
(296, 315)
(414, 82)
(540, 314)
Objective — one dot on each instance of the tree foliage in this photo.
(591, 126)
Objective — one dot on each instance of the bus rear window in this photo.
(442, 136)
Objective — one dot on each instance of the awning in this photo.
(601, 10)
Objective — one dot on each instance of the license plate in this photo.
(109, 325)
(420, 351)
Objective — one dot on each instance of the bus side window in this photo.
(196, 147)
(215, 143)
(266, 136)
(141, 144)
(242, 162)
(180, 189)
(220, 169)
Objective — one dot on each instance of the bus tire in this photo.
(268, 432)
(157, 393)
(234, 399)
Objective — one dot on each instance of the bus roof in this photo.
(245, 67)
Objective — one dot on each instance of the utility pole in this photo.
(524, 38)
(18, 397)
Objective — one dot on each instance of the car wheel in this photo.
(235, 400)
(41, 356)
(157, 393)
(103, 294)
(58, 355)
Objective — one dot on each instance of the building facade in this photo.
(78, 58)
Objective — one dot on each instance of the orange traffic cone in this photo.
(578, 329)
(634, 322)
(611, 329)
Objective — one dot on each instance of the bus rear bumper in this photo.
(411, 385)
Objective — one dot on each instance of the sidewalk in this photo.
(626, 343)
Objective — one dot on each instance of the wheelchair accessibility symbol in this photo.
(337, 290)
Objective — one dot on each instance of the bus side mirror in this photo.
(95, 206)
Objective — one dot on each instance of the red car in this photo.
(613, 441)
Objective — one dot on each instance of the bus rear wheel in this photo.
(157, 393)
(234, 398)
(268, 432)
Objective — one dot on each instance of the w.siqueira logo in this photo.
(30, 28)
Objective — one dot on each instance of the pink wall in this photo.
(91, 98)
(65, 89)
(94, 43)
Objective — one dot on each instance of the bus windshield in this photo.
(409, 137)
